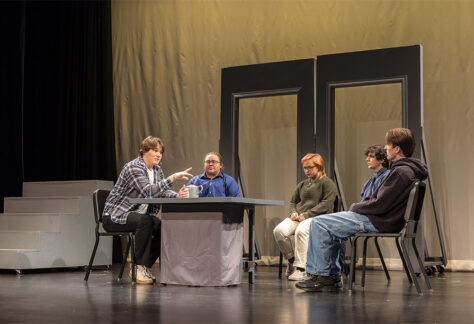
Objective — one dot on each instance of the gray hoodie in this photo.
(386, 207)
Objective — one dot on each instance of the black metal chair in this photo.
(337, 207)
(406, 236)
(99, 197)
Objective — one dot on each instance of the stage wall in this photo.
(167, 60)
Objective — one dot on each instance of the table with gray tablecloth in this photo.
(202, 239)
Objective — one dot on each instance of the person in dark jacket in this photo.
(382, 212)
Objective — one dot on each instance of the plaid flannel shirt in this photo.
(133, 182)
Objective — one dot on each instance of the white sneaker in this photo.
(150, 274)
(289, 269)
(298, 275)
(143, 276)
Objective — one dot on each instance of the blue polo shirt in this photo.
(222, 185)
(373, 183)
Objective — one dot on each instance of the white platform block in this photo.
(19, 239)
(68, 205)
(51, 232)
(30, 222)
(64, 188)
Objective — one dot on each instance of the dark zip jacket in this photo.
(386, 207)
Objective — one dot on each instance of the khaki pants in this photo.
(292, 239)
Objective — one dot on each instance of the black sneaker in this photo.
(337, 281)
(318, 283)
(312, 279)
(307, 282)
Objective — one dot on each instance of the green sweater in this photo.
(313, 198)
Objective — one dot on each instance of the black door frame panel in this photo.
(390, 65)
(382, 66)
(263, 80)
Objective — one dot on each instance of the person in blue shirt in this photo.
(214, 182)
(377, 161)
(376, 158)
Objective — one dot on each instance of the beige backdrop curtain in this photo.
(167, 60)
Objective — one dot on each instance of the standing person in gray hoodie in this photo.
(382, 212)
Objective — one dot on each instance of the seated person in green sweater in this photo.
(312, 197)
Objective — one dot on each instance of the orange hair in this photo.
(316, 159)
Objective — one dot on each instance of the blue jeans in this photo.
(325, 234)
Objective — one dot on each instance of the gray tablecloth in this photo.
(201, 249)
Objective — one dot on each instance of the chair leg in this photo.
(353, 261)
(410, 268)
(364, 262)
(92, 258)
(342, 257)
(122, 267)
(280, 265)
(420, 264)
(132, 252)
(381, 258)
(402, 257)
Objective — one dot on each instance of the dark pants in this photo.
(147, 230)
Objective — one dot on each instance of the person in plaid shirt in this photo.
(142, 178)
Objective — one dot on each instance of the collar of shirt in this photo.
(380, 172)
(141, 161)
(204, 176)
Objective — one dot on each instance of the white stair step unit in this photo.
(51, 231)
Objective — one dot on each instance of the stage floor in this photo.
(64, 297)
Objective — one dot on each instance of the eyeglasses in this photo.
(307, 168)
(212, 162)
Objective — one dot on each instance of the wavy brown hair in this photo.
(150, 143)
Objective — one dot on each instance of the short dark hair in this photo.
(403, 138)
(214, 153)
(379, 152)
(150, 143)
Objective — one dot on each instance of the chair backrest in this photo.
(414, 206)
(336, 207)
(98, 198)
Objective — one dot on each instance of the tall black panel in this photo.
(389, 65)
(262, 80)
